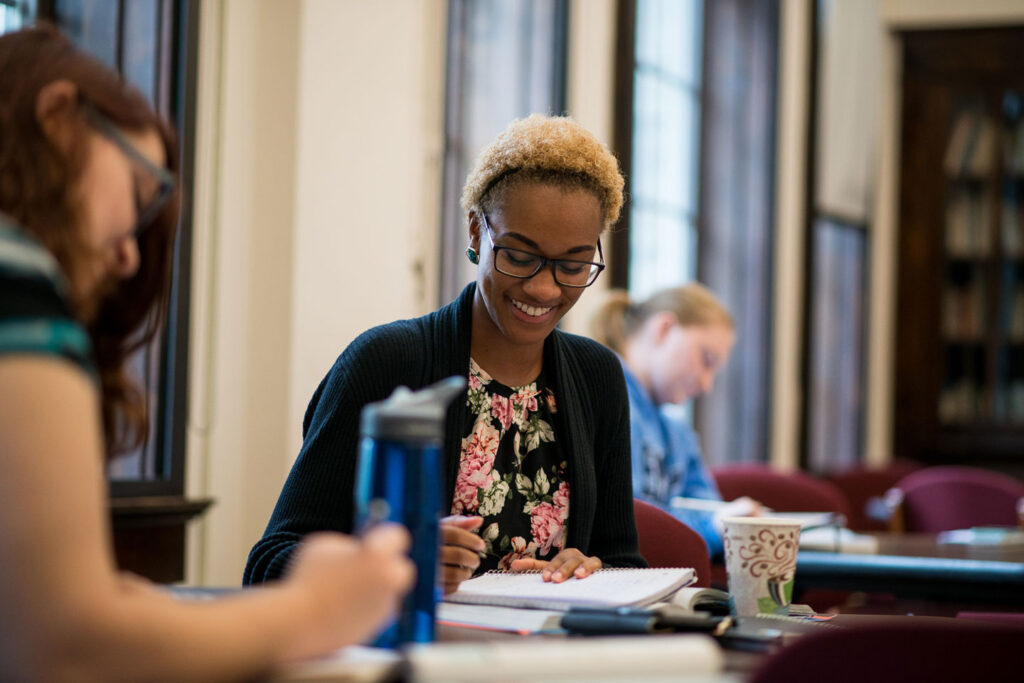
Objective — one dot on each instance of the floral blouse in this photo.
(512, 472)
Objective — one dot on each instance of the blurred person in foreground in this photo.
(88, 210)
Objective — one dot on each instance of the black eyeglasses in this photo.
(165, 181)
(524, 265)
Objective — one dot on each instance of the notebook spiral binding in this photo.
(602, 569)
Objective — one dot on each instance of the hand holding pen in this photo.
(461, 550)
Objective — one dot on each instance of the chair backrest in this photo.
(864, 488)
(1011, 618)
(942, 498)
(781, 491)
(900, 649)
(667, 542)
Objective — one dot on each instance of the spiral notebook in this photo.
(603, 588)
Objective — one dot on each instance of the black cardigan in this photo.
(592, 424)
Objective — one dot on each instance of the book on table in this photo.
(604, 588)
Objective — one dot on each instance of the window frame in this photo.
(176, 59)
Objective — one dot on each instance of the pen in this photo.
(377, 511)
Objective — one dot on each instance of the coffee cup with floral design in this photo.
(760, 560)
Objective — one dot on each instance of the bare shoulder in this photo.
(30, 382)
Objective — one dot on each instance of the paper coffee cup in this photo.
(760, 560)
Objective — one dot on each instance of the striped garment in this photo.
(34, 313)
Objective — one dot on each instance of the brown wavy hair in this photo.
(619, 317)
(36, 181)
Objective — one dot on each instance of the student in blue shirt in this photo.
(671, 346)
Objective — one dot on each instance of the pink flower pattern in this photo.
(524, 497)
(561, 500)
(546, 525)
(501, 408)
(478, 451)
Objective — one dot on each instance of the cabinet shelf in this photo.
(960, 331)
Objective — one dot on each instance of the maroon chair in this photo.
(942, 498)
(905, 649)
(667, 542)
(781, 491)
(864, 488)
(1011, 618)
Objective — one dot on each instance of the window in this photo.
(506, 60)
(695, 132)
(836, 345)
(841, 137)
(665, 145)
(15, 13)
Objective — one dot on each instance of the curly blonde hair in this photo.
(549, 149)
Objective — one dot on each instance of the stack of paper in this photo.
(626, 658)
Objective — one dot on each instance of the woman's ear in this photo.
(475, 226)
(56, 105)
(660, 324)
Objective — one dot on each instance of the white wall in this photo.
(590, 100)
(244, 204)
(370, 148)
(316, 184)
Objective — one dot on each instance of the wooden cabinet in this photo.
(960, 325)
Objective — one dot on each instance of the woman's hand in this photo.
(570, 562)
(460, 550)
(349, 586)
(741, 507)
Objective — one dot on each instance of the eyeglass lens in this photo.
(524, 264)
(165, 187)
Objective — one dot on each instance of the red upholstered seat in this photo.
(900, 649)
(864, 488)
(1011, 618)
(667, 542)
(942, 498)
(781, 491)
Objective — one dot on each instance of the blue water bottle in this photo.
(400, 476)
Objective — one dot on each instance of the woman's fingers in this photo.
(563, 565)
(461, 550)
(452, 576)
(528, 564)
(569, 562)
(457, 556)
(458, 531)
(588, 567)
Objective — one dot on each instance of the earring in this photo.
(474, 257)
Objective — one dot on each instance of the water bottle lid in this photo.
(411, 415)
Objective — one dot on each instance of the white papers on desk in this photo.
(983, 536)
(356, 663)
(808, 520)
(625, 658)
(839, 540)
(607, 587)
(491, 618)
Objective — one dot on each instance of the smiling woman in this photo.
(536, 452)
